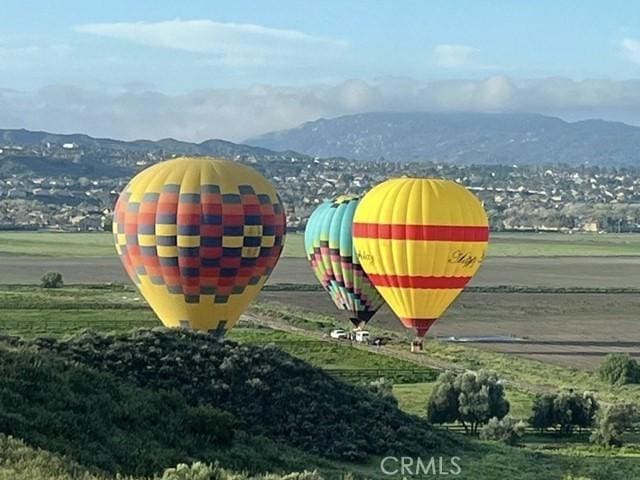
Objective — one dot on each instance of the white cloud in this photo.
(230, 44)
(630, 50)
(234, 114)
(453, 56)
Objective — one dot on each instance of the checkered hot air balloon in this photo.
(420, 241)
(329, 248)
(199, 238)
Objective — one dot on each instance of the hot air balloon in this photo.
(420, 241)
(199, 237)
(329, 248)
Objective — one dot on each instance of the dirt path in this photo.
(400, 352)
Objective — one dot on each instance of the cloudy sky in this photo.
(218, 69)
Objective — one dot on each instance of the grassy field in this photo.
(50, 244)
(34, 311)
(412, 398)
(501, 244)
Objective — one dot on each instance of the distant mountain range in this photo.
(209, 147)
(27, 152)
(525, 139)
(462, 138)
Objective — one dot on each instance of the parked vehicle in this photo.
(361, 336)
(339, 334)
(379, 341)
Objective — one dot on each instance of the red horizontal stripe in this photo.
(418, 281)
(422, 325)
(443, 233)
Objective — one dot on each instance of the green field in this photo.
(31, 311)
(50, 244)
(501, 244)
(412, 399)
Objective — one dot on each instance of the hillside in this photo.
(30, 138)
(19, 461)
(462, 138)
(139, 403)
(25, 152)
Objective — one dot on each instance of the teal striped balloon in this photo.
(328, 243)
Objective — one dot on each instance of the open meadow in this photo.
(568, 299)
(550, 313)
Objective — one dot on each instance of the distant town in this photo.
(35, 192)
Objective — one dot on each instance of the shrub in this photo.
(272, 393)
(51, 280)
(506, 430)
(469, 398)
(211, 425)
(383, 388)
(98, 420)
(619, 369)
(611, 424)
(196, 471)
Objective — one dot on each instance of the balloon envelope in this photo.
(420, 241)
(330, 251)
(199, 237)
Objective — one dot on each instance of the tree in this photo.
(542, 412)
(442, 405)
(51, 280)
(564, 411)
(619, 369)
(481, 397)
(611, 424)
(506, 430)
(469, 398)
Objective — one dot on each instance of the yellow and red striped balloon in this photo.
(420, 241)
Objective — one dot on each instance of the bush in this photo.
(611, 424)
(469, 398)
(383, 388)
(210, 425)
(51, 280)
(619, 369)
(197, 471)
(274, 394)
(96, 419)
(200, 471)
(506, 430)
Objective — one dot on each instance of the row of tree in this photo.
(477, 401)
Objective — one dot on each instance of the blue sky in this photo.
(104, 66)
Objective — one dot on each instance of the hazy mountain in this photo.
(462, 138)
(26, 152)
(209, 147)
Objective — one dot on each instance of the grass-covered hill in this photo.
(267, 391)
(139, 403)
(110, 425)
(19, 461)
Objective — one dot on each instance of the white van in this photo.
(362, 336)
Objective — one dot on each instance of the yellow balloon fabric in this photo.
(199, 238)
(420, 241)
